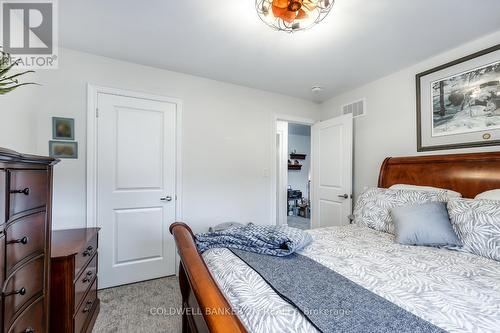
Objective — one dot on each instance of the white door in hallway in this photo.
(136, 174)
(332, 144)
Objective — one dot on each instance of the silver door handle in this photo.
(345, 196)
(167, 198)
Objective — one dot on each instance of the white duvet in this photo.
(456, 291)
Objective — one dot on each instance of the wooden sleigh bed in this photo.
(205, 308)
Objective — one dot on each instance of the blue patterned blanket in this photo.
(330, 301)
(271, 240)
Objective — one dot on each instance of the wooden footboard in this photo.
(204, 308)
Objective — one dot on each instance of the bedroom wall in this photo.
(389, 128)
(227, 135)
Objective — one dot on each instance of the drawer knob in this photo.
(25, 191)
(23, 241)
(88, 277)
(29, 330)
(21, 292)
(88, 251)
(88, 306)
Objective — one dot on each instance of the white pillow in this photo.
(450, 193)
(477, 224)
(489, 195)
(373, 207)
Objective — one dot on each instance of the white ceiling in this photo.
(359, 41)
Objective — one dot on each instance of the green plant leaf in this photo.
(15, 75)
(3, 91)
(8, 68)
(10, 83)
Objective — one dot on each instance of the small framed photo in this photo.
(63, 149)
(63, 128)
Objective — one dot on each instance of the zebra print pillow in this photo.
(374, 205)
(477, 224)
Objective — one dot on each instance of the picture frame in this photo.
(63, 149)
(458, 103)
(63, 128)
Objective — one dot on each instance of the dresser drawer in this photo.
(28, 189)
(26, 282)
(2, 271)
(74, 305)
(25, 237)
(2, 196)
(85, 310)
(84, 281)
(31, 320)
(85, 254)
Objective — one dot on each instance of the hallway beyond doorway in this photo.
(299, 222)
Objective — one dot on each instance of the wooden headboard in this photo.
(468, 174)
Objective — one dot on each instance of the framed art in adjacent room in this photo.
(63, 128)
(63, 149)
(458, 103)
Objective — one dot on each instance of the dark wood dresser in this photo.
(25, 226)
(74, 305)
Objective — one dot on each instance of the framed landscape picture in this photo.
(458, 104)
(63, 128)
(63, 149)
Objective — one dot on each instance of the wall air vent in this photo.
(357, 108)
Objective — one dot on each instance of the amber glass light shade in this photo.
(292, 15)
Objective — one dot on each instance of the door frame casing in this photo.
(92, 142)
(281, 171)
(274, 151)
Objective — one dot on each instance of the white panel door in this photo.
(136, 162)
(332, 172)
(282, 172)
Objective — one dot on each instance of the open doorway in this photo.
(299, 176)
(294, 173)
(313, 184)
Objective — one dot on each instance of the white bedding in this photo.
(456, 291)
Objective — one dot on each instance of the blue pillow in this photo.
(426, 224)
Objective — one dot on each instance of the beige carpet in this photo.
(133, 308)
(299, 222)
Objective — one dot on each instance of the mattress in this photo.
(456, 291)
